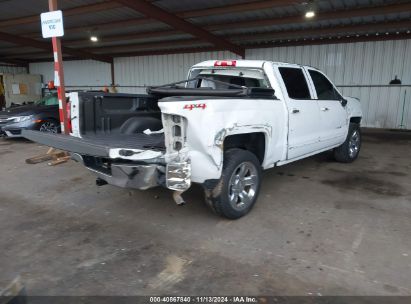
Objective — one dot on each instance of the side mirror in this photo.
(344, 102)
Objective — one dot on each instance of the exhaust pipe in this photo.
(178, 198)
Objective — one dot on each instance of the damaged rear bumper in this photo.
(142, 176)
(140, 163)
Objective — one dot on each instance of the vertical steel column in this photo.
(113, 80)
(59, 76)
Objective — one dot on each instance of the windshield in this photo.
(49, 100)
(251, 78)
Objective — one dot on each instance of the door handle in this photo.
(325, 109)
(295, 111)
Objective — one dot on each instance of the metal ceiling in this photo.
(123, 30)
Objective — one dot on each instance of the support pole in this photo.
(113, 80)
(59, 76)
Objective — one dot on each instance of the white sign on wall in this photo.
(52, 24)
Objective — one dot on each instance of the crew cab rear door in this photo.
(304, 126)
(333, 115)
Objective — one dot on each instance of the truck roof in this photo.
(240, 63)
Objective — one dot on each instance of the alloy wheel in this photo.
(354, 144)
(49, 127)
(243, 185)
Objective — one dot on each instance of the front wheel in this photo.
(237, 190)
(350, 149)
(49, 126)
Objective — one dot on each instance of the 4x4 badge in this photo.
(195, 106)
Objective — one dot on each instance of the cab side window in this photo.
(51, 101)
(324, 88)
(295, 82)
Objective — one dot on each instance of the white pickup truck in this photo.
(220, 128)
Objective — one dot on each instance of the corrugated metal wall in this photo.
(12, 70)
(79, 73)
(361, 70)
(160, 69)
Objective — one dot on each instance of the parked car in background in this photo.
(42, 115)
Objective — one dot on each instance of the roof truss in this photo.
(178, 23)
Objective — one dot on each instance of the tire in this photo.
(49, 126)
(236, 192)
(350, 149)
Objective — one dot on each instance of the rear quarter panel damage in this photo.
(210, 124)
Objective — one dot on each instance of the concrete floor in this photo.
(319, 227)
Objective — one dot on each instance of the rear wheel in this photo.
(236, 192)
(49, 126)
(350, 149)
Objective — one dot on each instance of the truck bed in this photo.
(98, 145)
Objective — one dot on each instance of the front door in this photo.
(304, 117)
(333, 114)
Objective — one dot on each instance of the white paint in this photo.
(74, 113)
(52, 24)
(288, 136)
(56, 79)
(138, 154)
(204, 129)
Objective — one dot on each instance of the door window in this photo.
(48, 100)
(295, 82)
(324, 88)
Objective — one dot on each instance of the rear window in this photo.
(295, 83)
(228, 78)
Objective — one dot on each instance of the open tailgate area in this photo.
(97, 145)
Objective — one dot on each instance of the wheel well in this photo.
(253, 142)
(356, 120)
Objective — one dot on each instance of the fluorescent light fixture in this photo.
(309, 14)
(94, 38)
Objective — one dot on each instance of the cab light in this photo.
(225, 63)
